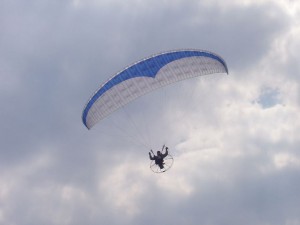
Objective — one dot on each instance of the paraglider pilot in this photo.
(159, 158)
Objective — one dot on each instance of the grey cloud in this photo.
(58, 55)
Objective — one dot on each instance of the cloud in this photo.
(235, 142)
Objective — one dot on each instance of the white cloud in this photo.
(282, 160)
(233, 155)
(124, 186)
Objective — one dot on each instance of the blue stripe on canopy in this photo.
(146, 68)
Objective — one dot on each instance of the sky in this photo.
(234, 138)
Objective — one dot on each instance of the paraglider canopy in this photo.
(147, 75)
